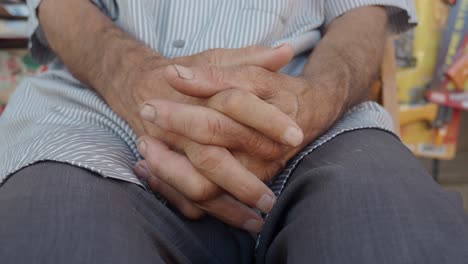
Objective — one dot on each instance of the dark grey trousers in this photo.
(361, 198)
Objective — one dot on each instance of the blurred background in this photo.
(423, 82)
(432, 91)
(15, 63)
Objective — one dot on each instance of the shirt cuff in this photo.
(38, 46)
(401, 13)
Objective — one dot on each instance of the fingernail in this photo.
(280, 46)
(142, 172)
(141, 145)
(184, 72)
(265, 204)
(253, 225)
(148, 112)
(293, 136)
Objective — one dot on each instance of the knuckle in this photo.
(152, 159)
(207, 128)
(215, 74)
(265, 92)
(259, 145)
(203, 192)
(232, 99)
(212, 56)
(214, 127)
(164, 119)
(154, 165)
(206, 57)
(191, 212)
(215, 101)
(254, 71)
(168, 122)
(274, 151)
(208, 158)
(261, 81)
(255, 142)
(189, 126)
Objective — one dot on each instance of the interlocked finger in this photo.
(176, 170)
(173, 176)
(174, 197)
(252, 111)
(221, 168)
(208, 126)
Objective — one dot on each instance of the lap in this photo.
(57, 213)
(360, 198)
(364, 198)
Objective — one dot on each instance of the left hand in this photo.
(311, 105)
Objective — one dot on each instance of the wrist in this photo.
(333, 86)
(121, 77)
(124, 62)
(325, 101)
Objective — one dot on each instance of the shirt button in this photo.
(180, 43)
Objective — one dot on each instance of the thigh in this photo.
(56, 213)
(364, 198)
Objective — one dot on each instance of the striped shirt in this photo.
(53, 116)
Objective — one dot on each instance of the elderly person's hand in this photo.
(178, 169)
(243, 135)
(148, 82)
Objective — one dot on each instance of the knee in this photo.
(52, 183)
(48, 192)
(60, 213)
(364, 160)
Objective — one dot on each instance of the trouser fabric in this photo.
(360, 198)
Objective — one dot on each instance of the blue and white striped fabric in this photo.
(55, 117)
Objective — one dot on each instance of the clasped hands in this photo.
(216, 126)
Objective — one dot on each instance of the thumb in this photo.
(271, 59)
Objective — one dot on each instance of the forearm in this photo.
(348, 58)
(91, 46)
